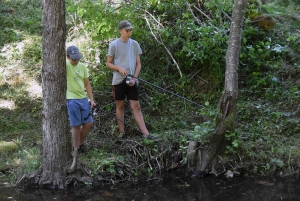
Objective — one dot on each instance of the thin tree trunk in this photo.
(227, 103)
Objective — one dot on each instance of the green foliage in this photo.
(234, 138)
(277, 162)
(157, 102)
(17, 158)
(98, 18)
(195, 47)
(167, 123)
(99, 161)
(203, 132)
(268, 133)
(11, 124)
(263, 57)
(19, 18)
(33, 50)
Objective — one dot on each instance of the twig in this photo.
(229, 18)
(160, 42)
(124, 163)
(206, 17)
(195, 74)
(217, 174)
(155, 178)
(155, 19)
(173, 165)
(202, 79)
(158, 165)
(149, 163)
(292, 173)
(196, 19)
(202, 13)
(139, 153)
(240, 159)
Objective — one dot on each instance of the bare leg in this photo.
(120, 114)
(76, 139)
(76, 136)
(138, 116)
(84, 131)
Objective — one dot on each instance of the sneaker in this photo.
(122, 137)
(82, 149)
(149, 137)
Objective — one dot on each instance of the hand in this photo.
(93, 104)
(131, 82)
(123, 71)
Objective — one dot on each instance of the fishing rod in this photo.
(168, 91)
(111, 114)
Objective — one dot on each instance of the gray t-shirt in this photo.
(124, 54)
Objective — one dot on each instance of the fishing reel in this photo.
(94, 111)
(128, 80)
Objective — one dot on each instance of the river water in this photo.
(176, 189)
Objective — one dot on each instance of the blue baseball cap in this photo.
(74, 52)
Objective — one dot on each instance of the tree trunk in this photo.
(55, 120)
(227, 103)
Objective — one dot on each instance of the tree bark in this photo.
(225, 121)
(55, 120)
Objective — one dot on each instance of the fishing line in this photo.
(112, 114)
(169, 91)
(188, 100)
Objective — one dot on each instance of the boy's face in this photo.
(74, 62)
(125, 34)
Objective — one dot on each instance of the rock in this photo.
(229, 174)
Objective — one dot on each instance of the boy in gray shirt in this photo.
(124, 59)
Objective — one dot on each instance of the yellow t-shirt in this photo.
(75, 80)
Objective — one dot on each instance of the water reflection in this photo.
(243, 189)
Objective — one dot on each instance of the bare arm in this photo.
(89, 91)
(137, 68)
(109, 64)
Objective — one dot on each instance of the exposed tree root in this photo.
(197, 158)
(54, 180)
(29, 180)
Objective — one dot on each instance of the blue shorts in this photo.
(123, 90)
(79, 111)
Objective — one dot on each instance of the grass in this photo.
(20, 98)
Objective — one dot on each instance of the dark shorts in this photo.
(122, 90)
(79, 111)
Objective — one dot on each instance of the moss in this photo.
(264, 22)
(8, 147)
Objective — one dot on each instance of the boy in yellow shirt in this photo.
(79, 108)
